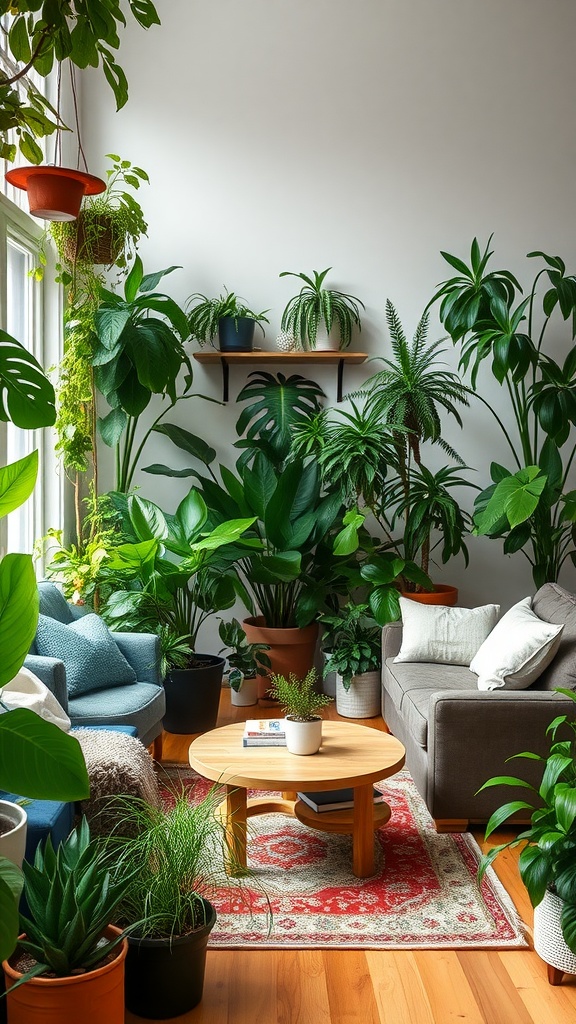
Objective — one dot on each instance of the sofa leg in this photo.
(157, 750)
(451, 824)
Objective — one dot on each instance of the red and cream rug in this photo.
(424, 893)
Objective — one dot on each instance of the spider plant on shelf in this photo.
(227, 318)
(319, 317)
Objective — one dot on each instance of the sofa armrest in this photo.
(472, 734)
(52, 673)
(142, 652)
(391, 640)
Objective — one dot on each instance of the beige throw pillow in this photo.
(444, 635)
(517, 651)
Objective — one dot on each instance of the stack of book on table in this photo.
(264, 732)
(334, 799)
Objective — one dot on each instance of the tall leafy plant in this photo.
(528, 504)
(36, 758)
(139, 352)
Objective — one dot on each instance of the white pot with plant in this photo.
(247, 661)
(13, 828)
(356, 658)
(320, 318)
(300, 703)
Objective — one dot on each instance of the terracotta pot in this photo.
(291, 650)
(303, 737)
(55, 193)
(442, 594)
(91, 998)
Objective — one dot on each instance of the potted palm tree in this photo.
(547, 860)
(300, 702)
(319, 317)
(356, 657)
(226, 317)
(247, 661)
(70, 959)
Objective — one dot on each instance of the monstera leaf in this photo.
(26, 395)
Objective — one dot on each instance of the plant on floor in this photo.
(72, 897)
(315, 306)
(204, 314)
(287, 571)
(297, 697)
(548, 856)
(372, 455)
(528, 504)
(246, 659)
(41, 35)
(354, 641)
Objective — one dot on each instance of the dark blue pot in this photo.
(236, 333)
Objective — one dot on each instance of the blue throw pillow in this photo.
(89, 652)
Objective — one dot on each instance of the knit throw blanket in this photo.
(117, 764)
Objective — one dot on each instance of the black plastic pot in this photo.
(236, 333)
(193, 695)
(165, 978)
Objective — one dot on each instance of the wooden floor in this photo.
(375, 986)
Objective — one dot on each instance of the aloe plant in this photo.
(315, 305)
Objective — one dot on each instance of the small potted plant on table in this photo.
(247, 661)
(356, 657)
(312, 315)
(226, 317)
(300, 703)
(547, 861)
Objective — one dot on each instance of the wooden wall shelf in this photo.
(261, 357)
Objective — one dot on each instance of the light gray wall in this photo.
(364, 135)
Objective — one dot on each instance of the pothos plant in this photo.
(529, 504)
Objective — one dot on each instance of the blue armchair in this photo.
(140, 703)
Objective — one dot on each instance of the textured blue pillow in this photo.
(88, 649)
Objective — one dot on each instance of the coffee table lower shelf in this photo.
(337, 821)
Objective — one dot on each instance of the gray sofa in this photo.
(457, 737)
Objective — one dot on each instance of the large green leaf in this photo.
(191, 514)
(26, 395)
(283, 567)
(147, 519)
(8, 907)
(188, 442)
(17, 482)
(18, 613)
(39, 760)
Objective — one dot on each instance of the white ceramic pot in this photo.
(363, 699)
(548, 939)
(13, 843)
(303, 737)
(246, 695)
(329, 680)
(327, 342)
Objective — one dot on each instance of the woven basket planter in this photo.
(363, 699)
(548, 939)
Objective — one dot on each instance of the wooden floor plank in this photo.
(349, 985)
(544, 1002)
(499, 1002)
(398, 988)
(302, 989)
(446, 987)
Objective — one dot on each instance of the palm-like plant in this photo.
(315, 305)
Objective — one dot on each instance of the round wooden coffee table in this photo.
(351, 756)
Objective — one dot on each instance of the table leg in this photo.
(290, 794)
(363, 832)
(236, 830)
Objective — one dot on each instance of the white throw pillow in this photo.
(25, 690)
(444, 635)
(518, 649)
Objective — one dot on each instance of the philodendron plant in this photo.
(529, 504)
(247, 660)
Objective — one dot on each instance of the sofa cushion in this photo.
(53, 603)
(87, 648)
(517, 651)
(441, 634)
(411, 685)
(142, 705)
(554, 604)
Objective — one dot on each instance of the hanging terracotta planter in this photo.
(55, 193)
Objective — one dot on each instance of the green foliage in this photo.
(297, 697)
(41, 34)
(354, 642)
(137, 354)
(548, 856)
(527, 505)
(246, 659)
(75, 396)
(174, 859)
(315, 305)
(204, 314)
(72, 898)
(26, 395)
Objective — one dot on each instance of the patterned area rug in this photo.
(423, 894)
